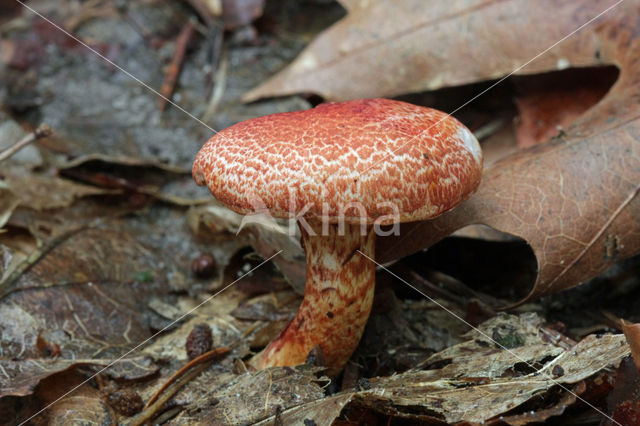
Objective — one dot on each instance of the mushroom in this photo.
(341, 170)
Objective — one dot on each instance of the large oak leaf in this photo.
(389, 47)
(574, 200)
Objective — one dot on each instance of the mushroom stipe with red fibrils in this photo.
(395, 162)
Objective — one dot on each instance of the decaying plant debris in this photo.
(102, 310)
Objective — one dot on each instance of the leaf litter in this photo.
(474, 387)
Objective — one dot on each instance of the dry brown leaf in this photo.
(574, 200)
(89, 291)
(321, 412)
(549, 103)
(19, 378)
(467, 397)
(266, 237)
(89, 296)
(86, 403)
(250, 397)
(41, 192)
(387, 48)
(623, 401)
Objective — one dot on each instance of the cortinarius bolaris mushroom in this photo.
(340, 169)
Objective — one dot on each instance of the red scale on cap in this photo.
(368, 151)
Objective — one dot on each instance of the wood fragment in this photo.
(167, 415)
(171, 77)
(213, 40)
(220, 83)
(90, 10)
(42, 131)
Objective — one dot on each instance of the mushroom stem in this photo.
(337, 300)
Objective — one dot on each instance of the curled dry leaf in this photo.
(86, 403)
(121, 160)
(549, 103)
(164, 182)
(266, 235)
(574, 200)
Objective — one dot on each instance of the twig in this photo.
(167, 415)
(214, 41)
(207, 356)
(89, 10)
(173, 72)
(42, 131)
(490, 128)
(433, 288)
(150, 411)
(220, 83)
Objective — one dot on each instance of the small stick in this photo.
(42, 131)
(89, 10)
(207, 356)
(170, 79)
(220, 83)
(167, 415)
(149, 412)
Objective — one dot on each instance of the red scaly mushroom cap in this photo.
(370, 151)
